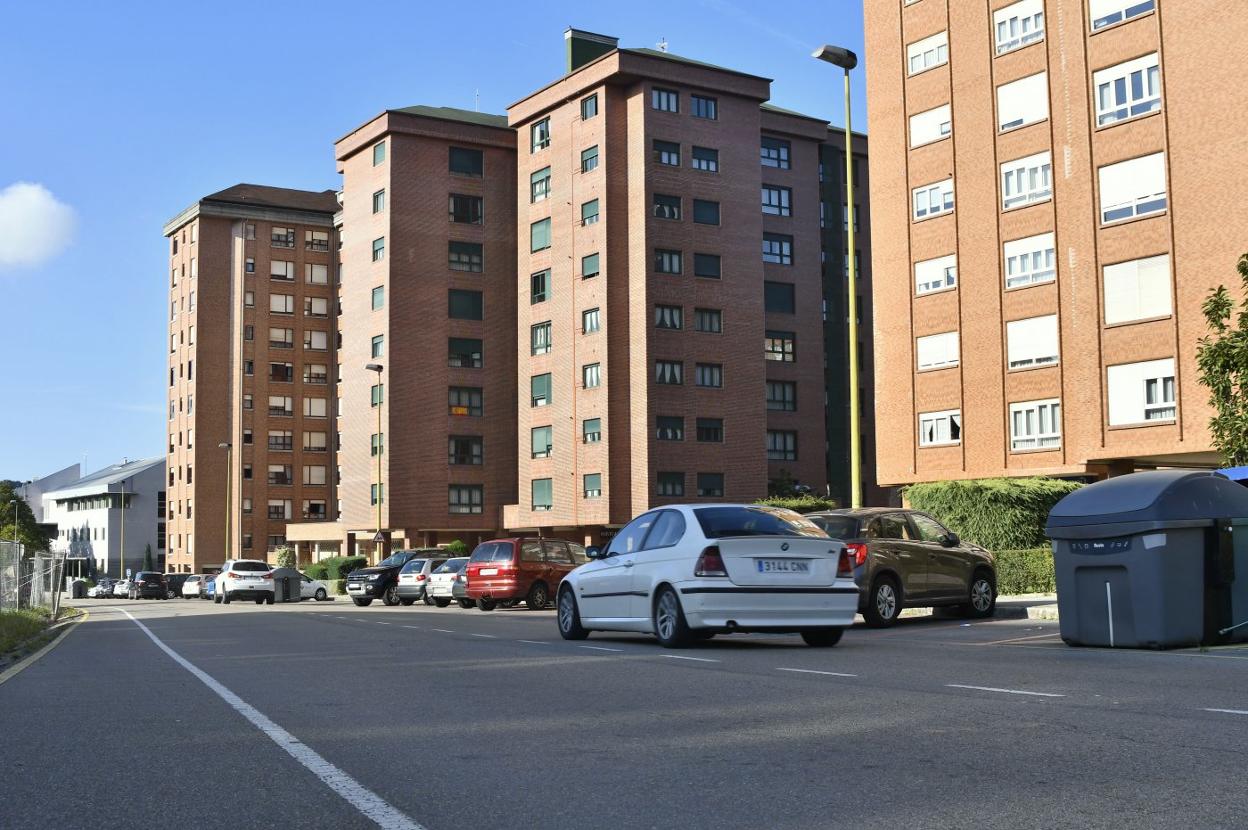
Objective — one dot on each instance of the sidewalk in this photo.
(1016, 607)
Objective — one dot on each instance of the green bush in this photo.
(1003, 514)
(801, 504)
(456, 547)
(340, 587)
(1025, 571)
(317, 570)
(285, 556)
(337, 567)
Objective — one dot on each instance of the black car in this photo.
(149, 585)
(381, 581)
(174, 583)
(906, 558)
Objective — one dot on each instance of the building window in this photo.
(932, 125)
(465, 498)
(589, 107)
(539, 390)
(467, 162)
(933, 199)
(249, 265)
(777, 201)
(935, 274)
(539, 286)
(316, 240)
(539, 135)
(669, 428)
(315, 442)
(317, 373)
(379, 297)
(709, 375)
(464, 353)
(591, 375)
(667, 262)
(666, 207)
(669, 372)
(465, 256)
(379, 201)
(705, 212)
(281, 270)
(1022, 102)
(248, 401)
(543, 501)
(282, 303)
(937, 428)
(589, 159)
(282, 338)
(539, 185)
(539, 235)
(780, 298)
(1032, 342)
(1030, 261)
(777, 249)
(376, 444)
(247, 472)
(379, 249)
(314, 474)
(316, 340)
(781, 445)
(379, 153)
(1027, 180)
(282, 237)
(710, 430)
(376, 394)
(249, 299)
(1142, 392)
(709, 320)
(541, 441)
(782, 396)
(466, 210)
(666, 100)
(707, 265)
(589, 212)
(539, 338)
(282, 372)
(671, 484)
(710, 485)
(937, 351)
(706, 159)
(1133, 188)
(927, 53)
(667, 152)
(668, 317)
(1035, 425)
(1108, 12)
(314, 509)
(591, 430)
(316, 274)
(1127, 90)
(279, 508)
(281, 474)
(465, 400)
(1019, 24)
(465, 305)
(774, 152)
(1137, 290)
(376, 493)
(589, 321)
(780, 346)
(701, 106)
(465, 450)
(592, 488)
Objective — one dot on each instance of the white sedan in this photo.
(310, 588)
(121, 588)
(689, 572)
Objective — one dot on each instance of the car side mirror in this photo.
(950, 540)
(595, 552)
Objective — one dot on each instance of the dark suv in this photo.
(509, 570)
(148, 584)
(906, 558)
(381, 581)
(174, 583)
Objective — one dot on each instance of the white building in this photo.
(89, 515)
(33, 490)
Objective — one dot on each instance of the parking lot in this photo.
(447, 717)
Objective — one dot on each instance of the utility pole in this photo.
(378, 538)
(229, 480)
(121, 567)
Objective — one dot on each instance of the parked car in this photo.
(148, 585)
(907, 558)
(459, 591)
(191, 586)
(245, 579)
(441, 590)
(509, 570)
(381, 581)
(101, 589)
(414, 579)
(173, 584)
(208, 589)
(689, 572)
(310, 588)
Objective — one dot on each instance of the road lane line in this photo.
(412, 626)
(379, 622)
(1227, 711)
(601, 648)
(442, 630)
(532, 642)
(682, 657)
(1002, 691)
(486, 636)
(815, 671)
(370, 804)
(1018, 639)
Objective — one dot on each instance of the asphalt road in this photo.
(445, 718)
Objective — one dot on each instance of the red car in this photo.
(529, 569)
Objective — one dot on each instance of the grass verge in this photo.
(25, 631)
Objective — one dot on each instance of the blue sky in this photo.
(134, 110)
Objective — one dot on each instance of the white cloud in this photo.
(34, 226)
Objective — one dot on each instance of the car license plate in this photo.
(783, 566)
(354, 588)
(487, 572)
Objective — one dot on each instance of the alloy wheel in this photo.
(886, 600)
(981, 595)
(566, 611)
(666, 615)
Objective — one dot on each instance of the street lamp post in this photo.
(229, 480)
(377, 367)
(121, 547)
(847, 60)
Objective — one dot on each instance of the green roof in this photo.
(483, 119)
(655, 53)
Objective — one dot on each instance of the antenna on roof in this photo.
(476, 100)
(662, 44)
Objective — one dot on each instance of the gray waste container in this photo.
(286, 585)
(1148, 560)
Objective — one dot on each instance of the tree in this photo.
(148, 563)
(457, 548)
(285, 556)
(1222, 358)
(29, 533)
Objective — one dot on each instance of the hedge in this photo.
(317, 570)
(337, 567)
(1001, 514)
(801, 504)
(1025, 571)
(340, 587)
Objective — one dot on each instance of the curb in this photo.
(25, 662)
(1042, 611)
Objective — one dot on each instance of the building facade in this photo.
(252, 338)
(1059, 212)
(32, 491)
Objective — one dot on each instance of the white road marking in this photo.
(412, 626)
(1018, 639)
(370, 804)
(814, 671)
(532, 642)
(601, 648)
(1228, 711)
(485, 636)
(379, 622)
(681, 657)
(442, 630)
(1002, 691)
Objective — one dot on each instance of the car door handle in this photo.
(628, 563)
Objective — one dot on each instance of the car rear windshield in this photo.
(451, 566)
(413, 566)
(249, 566)
(192, 578)
(394, 560)
(493, 552)
(755, 520)
(149, 575)
(838, 527)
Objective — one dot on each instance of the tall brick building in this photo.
(1051, 204)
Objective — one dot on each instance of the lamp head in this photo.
(843, 58)
(374, 367)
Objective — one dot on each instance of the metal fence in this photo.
(29, 582)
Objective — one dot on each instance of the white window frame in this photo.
(949, 418)
(1138, 289)
(1105, 13)
(930, 53)
(938, 274)
(1132, 188)
(946, 344)
(1120, 81)
(1036, 425)
(941, 192)
(1027, 181)
(1023, 102)
(1018, 25)
(931, 125)
(1020, 354)
(1129, 385)
(1031, 260)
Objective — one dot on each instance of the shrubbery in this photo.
(1025, 571)
(337, 567)
(1001, 514)
(317, 570)
(801, 504)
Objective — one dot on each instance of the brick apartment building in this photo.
(1051, 204)
(251, 363)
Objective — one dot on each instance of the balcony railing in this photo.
(284, 444)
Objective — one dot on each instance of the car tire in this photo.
(406, 602)
(225, 597)
(259, 600)
(668, 620)
(321, 596)
(441, 602)
(361, 602)
(883, 603)
(391, 596)
(568, 616)
(487, 604)
(428, 600)
(270, 599)
(216, 598)
(538, 597)
(466, 603)
(983, 597)
(822, 637)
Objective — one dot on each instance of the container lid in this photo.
(1155, 497)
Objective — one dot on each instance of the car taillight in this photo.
(858, 552)
(421, 577)
(710, 563)
(844, 567)
(232, 575)
(269, 575)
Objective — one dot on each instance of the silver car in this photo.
(442, 581)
